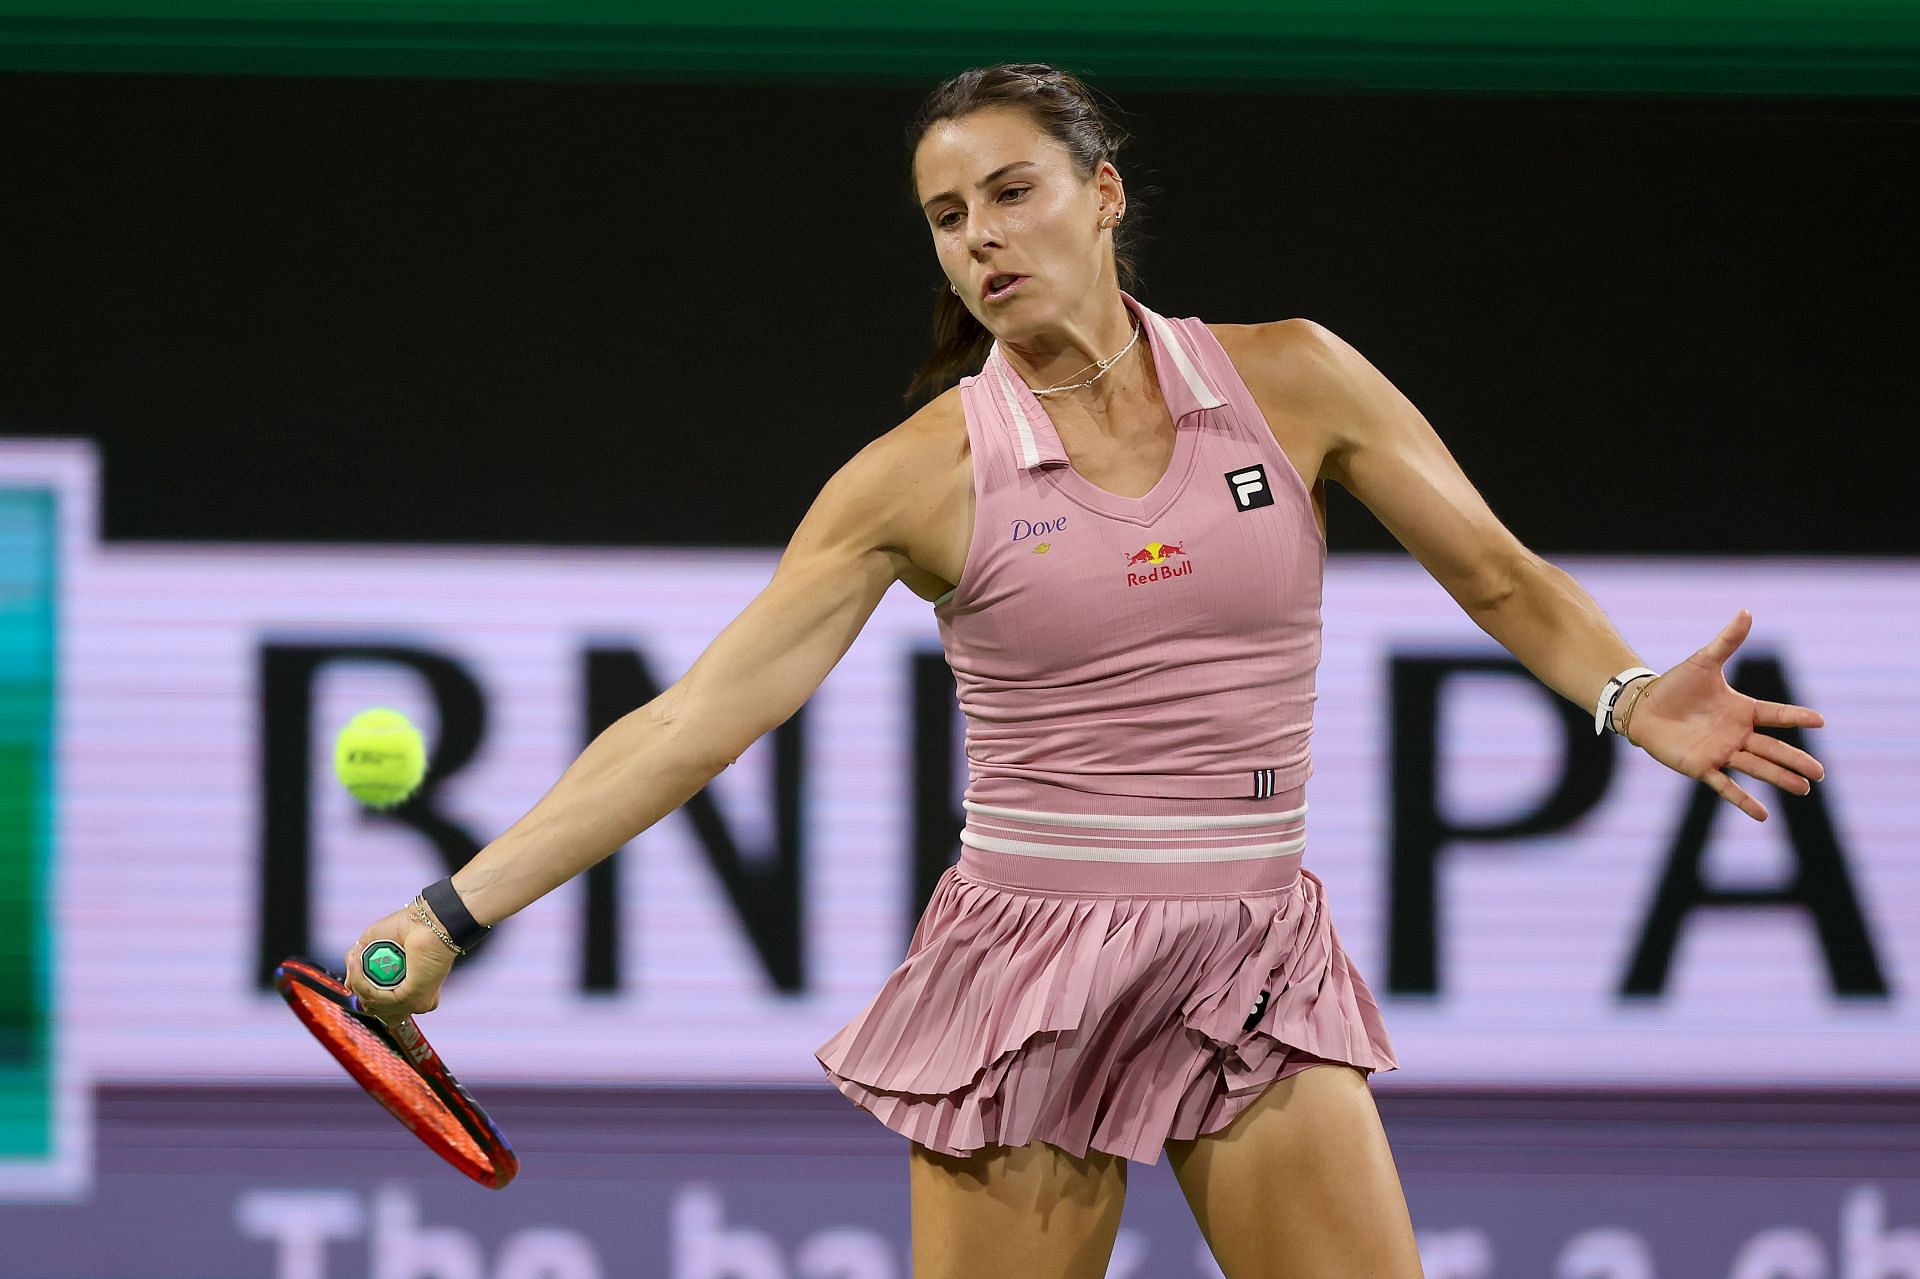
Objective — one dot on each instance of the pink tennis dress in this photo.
(1128, 950)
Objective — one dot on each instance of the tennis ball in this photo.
(379, 757)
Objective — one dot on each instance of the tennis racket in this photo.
(396, 1064)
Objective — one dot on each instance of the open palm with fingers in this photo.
(1694, 722)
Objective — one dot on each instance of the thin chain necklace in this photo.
(1105, 364)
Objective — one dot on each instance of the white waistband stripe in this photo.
(986, 826)
(1116, 821)
(1026, 848)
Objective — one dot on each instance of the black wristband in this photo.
(454, 916)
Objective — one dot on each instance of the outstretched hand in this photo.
(1695, 723)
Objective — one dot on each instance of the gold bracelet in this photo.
(418, 906)
(1627, 719)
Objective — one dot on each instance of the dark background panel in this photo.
(473, 311)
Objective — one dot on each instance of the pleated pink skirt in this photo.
(1107, 985)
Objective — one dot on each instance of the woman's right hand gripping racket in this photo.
(393, 1061)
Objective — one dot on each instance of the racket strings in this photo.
(392, 1081)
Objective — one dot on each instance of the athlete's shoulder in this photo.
(1295, 360)
(913, 467)
(936, 423)
(932, 439)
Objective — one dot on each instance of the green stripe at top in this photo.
(1790, 47)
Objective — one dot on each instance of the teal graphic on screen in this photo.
(27, 597)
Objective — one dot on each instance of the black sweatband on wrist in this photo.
(454, 916)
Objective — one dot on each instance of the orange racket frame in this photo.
(400, 1069)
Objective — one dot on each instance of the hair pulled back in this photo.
(1065, 109)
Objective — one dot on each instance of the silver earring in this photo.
(955, 289)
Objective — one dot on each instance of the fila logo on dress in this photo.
(1250, 488)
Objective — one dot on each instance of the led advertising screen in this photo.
(1533, 905)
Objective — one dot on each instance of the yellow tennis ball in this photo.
(379, 757)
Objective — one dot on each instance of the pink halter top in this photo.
(1158, 646)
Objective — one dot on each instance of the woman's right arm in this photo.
(755, 674)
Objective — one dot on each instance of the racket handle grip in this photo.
(384, 963)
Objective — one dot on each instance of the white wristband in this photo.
(1603, 709)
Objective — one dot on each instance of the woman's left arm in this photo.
(1379, 447)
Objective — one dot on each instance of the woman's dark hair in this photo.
(1061, 106)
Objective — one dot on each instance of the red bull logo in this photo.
(1155, 553)
(1157, 558)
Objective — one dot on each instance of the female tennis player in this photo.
(1118, 518)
